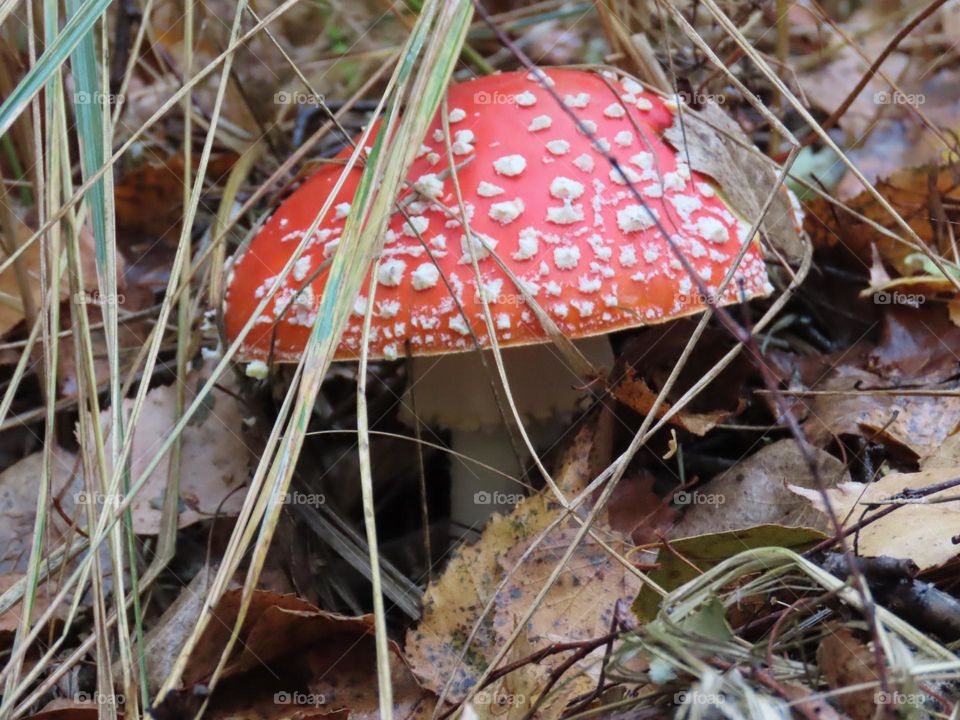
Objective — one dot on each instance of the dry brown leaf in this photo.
(577, 607)
(132, 335)
(637, 395)
(828, 84)
(164, 640)
(920, 532)
(514, 695)
(917, 348)
(715, 145)
(293, 658)
(159, 186)
(10, 620)
(846, 661)
(636, 510)
(19, 490)
(214, 457)
(648, 358)
(909, 192)
(11, 297)
(756, 492)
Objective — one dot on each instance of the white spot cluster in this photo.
(614, 110)
(540, 122)
(463, 142)
(564, 188)
(635, 218)
(510, 165)
(507, 211)
(390, 272)
(587, 274)
(429, 186)
(566, 257)
(566, 214)
(425, 276)
(525, 99)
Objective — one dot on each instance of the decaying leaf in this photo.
(12, 308)
(296, 661)
(716, 146)
(637, 395)
(917, 348)
(755, 492)
(649, 357)
(577, 607)
(19, 491)
(847, 661)
(920, 532)
(164, 641)
(214, 457)
(910, 192)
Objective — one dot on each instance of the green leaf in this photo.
(706, 551)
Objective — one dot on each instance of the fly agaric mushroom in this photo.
(542, 203)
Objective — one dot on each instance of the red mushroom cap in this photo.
(542, 198)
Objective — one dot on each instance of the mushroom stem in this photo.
(452, 392)
(488, 482)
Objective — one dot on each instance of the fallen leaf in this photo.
(12, 308)
(689, 557)
(637, 395)
(755, 492)
(294, 660)
(648, 358)
(165, 639)
(636, 510)
(19, 492)
(921, 532)
(917, 348)
(846, 661)
(213, 462)
(716, 146)
(577, 607)
(132, 334)
(582, 602)
(909, 192)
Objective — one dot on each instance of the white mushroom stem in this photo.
(454, 393)
(477, 490)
